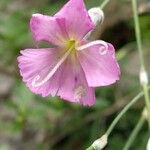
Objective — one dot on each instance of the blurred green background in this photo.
(30, 122)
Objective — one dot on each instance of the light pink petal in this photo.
(78, 22)
(35, 62)
(73, 86)
(50, 29)
(99, 65)
(66, 82)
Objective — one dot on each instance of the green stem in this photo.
(137, 31)
(104, 3)
(90, 148)
(124, 110)
(134, 133)
(139, 45)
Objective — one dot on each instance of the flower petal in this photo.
(34, 62)
(78, 22)
(99, 65)
(74, 87)
(68, 82)
(50, 29)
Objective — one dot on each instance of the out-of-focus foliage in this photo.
(30, 122)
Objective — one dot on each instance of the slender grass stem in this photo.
(104, 3)
(124, 110)
(134, 133)
(137, 31)
(139, 45)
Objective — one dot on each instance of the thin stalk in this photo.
(134, 133)
(104, 3)
(137, 31)
(124, 110)
(139, 45)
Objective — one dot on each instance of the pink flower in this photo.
(74, 66)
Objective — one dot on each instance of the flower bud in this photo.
(145, 113)
(143, 77)
(100, 143)
(96, 15)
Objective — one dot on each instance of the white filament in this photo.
(102, 51)
(35, 82)
(98, 42)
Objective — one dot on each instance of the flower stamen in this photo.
(97, 42)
